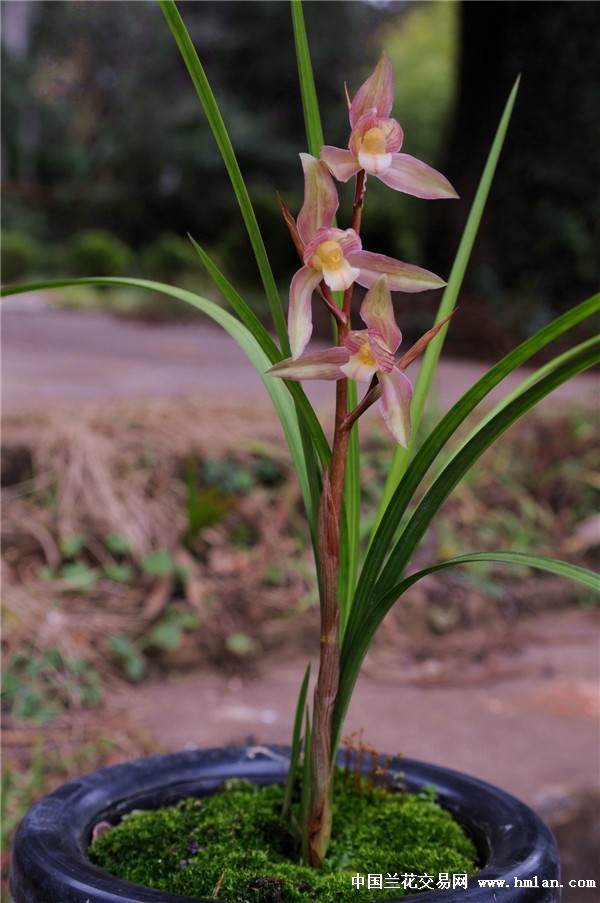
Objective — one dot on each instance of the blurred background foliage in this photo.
(108, 161)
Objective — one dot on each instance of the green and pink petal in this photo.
(320, 198)
(396, 396)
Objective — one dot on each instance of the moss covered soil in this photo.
(234, 846)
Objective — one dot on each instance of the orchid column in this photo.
(333, 261)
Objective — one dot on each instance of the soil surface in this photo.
(527, 719)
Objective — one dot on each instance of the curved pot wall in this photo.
(50, 865)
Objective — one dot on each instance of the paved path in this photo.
(57, 357)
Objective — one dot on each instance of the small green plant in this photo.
(165, 635)
(39, 686)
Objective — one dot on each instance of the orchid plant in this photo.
(355, 596)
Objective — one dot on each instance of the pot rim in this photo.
(53, 838)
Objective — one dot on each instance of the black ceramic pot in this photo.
(50, 865)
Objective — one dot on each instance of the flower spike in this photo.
(336, 257)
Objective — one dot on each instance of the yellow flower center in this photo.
(366, 356)
(329, 255)
(373, 142)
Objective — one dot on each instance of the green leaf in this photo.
(530, 381)
(120, 573)
(366, 618)
(552, 565)
(350, 545)
(278, 393)
(305, 791)
(296, 743)
(79, 574)
(219, 131)
(117, 544)
(240, 644)
(436, 442)
(158, 564)
(466, 456)
(310, 104)
(448, 302)
(71, 546)
(129, 657)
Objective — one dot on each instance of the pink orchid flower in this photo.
(366, 353)
(336, 257)
(375, 142)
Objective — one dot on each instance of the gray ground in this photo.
(531, 726)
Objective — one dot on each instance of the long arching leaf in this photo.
(366, 619)
(204, 91)
(541, 562)
(278, 393)
(446, 428)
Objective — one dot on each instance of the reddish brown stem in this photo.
(319, 816)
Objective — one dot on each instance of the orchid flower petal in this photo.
(320, 198)
(396, 395)
(384, 357)
(342, 163)
(340, 277)
(327, 253)
(376, 92)
(377, 311)
(325, 364)
(372, 127)
(302, 287)
(362, 365)
(414, 177)
(375, 164)
(402, 277)
(348, 240)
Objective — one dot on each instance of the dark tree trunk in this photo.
(538, 240)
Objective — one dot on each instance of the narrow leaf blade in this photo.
(213, 114)
(448, 303)
(310, 105)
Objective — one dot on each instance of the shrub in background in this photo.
(97, 251)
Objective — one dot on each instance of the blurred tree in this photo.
(117, 139)
(540, 236)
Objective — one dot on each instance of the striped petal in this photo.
(302, 287)
(384, 358)
(396, 396)
(414, 177)
(402, 277)
(377, 92)
(316, 365)
(342, 163)
(320, 198)
(377, 311)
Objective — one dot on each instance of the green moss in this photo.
(237, 841)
